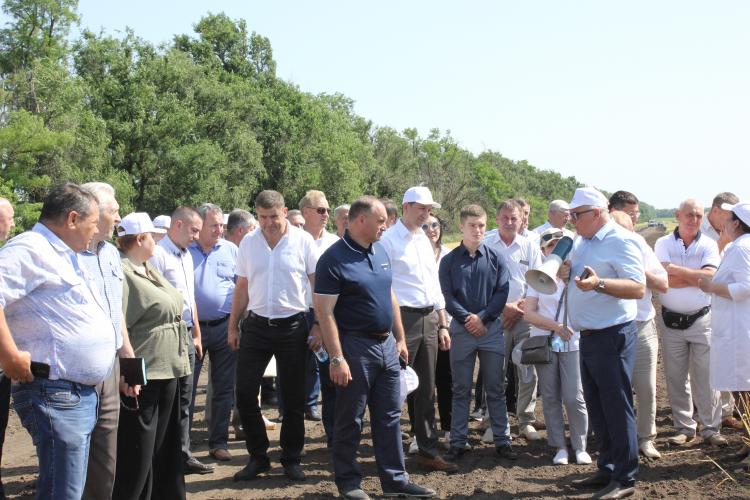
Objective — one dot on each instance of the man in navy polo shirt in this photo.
(357, 310)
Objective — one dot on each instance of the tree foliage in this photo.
(204, 118)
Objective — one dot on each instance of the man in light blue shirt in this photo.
(608, 276)
(51, 312)
(214, 260)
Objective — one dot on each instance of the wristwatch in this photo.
(337, 360)
(443, 327)
(600, 286)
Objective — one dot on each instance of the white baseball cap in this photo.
(741, 210)
(421, 195)
(588, 196)
(137, 223)
(163, 221)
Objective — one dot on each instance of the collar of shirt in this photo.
(478, 252)
(96, 251)
(171, 247)
(197, 246)
(356, 247)
(604, 230)
(59, 245)
(676, 234)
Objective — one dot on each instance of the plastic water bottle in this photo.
(558, 344)
(321, 353)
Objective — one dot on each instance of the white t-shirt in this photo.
(652, 265)
(547, 307)
(277, 278)
(702, 252)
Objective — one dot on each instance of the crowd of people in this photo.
(336, 317)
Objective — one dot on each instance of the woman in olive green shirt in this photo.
(149, 461)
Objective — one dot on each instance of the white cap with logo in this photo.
(421, 195)
(137, 223)
(741, 210)
(588, 196)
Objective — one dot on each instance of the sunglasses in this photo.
(321, 210)
(552, 236)
(432, 225)
(575, 215)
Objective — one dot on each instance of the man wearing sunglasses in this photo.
(316, 211)
(608, 272)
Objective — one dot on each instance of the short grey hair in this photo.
(341, 208)
(239, 218)
(293, 212)
(207, 208)
(558, 206)
(102, 191)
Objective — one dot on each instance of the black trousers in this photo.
(149, 456)
(288, 344)
(444, 387)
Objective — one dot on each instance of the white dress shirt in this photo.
(176, 265)
(53, 307)
(521, 255)
(702, 252)
(415, 272)
(540, 229)
(322, 244)
(652, 265)
(277, 278)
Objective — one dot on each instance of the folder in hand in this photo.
(134, 371)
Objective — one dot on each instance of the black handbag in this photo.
(538, 350)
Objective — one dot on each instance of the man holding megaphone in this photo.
(608, 274)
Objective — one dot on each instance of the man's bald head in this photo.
(7, 219)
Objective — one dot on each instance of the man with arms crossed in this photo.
(51, 312)
(275, 265)
(357, 311)
(607, 273)
(417, 289)
(474, 281)
(685, 326)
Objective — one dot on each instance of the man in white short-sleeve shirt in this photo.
(685, 326)
(275, 267)
(521, 254)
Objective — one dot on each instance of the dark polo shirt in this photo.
(361, 277)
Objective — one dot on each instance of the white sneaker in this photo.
(488, 437)
(561, 457)
(649, 450)
(529, 433)
(413, 446)
(582, 458)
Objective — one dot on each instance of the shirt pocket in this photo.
(72, 290)
(225, 270)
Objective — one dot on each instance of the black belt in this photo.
(380, 336)
(288, 321)
(586, 333)
(213, 322)
(419, 310)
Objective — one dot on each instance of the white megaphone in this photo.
(544, 279)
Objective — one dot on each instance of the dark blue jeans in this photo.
(59, 415)
(607, 359)
(223, 369)
(375, 383)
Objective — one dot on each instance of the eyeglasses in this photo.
(321, 210)
(552, 236)
(432, 225)
(575, 215)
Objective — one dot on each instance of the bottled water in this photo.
(558, 344)
(321, 353)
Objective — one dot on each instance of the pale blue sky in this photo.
(648, 96)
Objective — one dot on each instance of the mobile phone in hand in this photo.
(585, 274)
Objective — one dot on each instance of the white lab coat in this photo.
(730, 321)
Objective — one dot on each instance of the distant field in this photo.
(669, 222)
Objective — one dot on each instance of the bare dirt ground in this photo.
(694, 471)
(687, 472)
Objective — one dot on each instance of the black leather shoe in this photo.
(453, 454)
(410, 490)
(194, 466)
(251, 470)
(312, 414)
(598, 480)
(294, 472)
(614, 490)
(506, 451)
